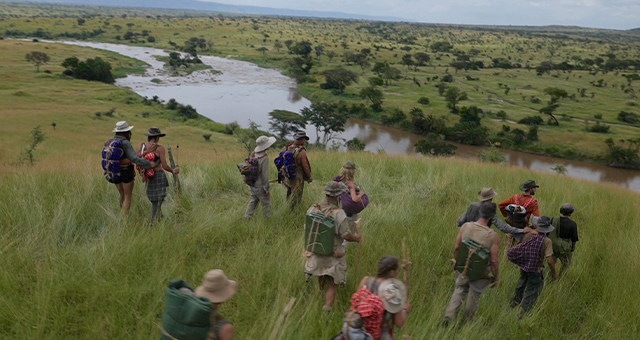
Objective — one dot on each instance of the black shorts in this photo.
(126, 175)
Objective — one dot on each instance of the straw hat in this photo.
(486, 194)
(542, 224)
(334, 188)
(216, 287)
(122, 126)
(154, 132)
(263, 143)
(393, 294)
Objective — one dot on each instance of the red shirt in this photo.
(371, 308)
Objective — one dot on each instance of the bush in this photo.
(628, 117)
(231, 128)
(531, 120)
(423, 101)
(396, 116)
(93, 69)
(492, 155)
(435, 145)
(502, 114)
(355, 145)
(598, 128)
(207, 137)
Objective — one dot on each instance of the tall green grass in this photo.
(74, 268)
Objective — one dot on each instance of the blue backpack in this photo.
(286, 165)
(111, 155)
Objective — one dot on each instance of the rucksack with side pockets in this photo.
(473, 259)
(526, 255)
(319, 232)
(286, 165)
(561, 246)
(111, 155)
(185, 316)
(249, 170)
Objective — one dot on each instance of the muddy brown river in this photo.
(244, 92)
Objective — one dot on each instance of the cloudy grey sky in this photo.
(617, 14)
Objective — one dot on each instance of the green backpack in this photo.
(473, 259)
(319, 232)
(185, 317)
(561, 246)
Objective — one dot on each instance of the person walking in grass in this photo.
(392, 310)
(564, 242)
(125, 183)
(519, 208)
(295, 186)
(217, 288)
(259, 191)
(473, 214)
(472, 274)
(530, 256)
(157, 183)
(331, 269)
(347, 176)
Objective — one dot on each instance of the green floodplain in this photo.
(74, 268)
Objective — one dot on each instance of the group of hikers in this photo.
(380, 303)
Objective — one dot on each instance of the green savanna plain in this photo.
(74, 268)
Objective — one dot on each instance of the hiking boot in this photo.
(446, 322)
(326, 309)
(514, 304)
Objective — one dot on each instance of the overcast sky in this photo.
(617, 14)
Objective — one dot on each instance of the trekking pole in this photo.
(284, 312)
(405, 272)
(176, 181)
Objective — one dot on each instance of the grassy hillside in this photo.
(74, 268)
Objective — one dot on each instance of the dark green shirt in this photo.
(130, 153)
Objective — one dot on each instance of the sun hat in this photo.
(154, 132)
(300, 134)
(334, 188)
(486, 194)
(349, 165)
(567, 209)
(393, 294)
(263, 143)
(542, 224)
(122, 126)
(216, 287)
(528, 184)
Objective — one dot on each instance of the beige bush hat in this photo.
(393, 294)
(486, 194)
(263, 143)
(122, 126)
(334, 188)
(349, 165)
(217, 287)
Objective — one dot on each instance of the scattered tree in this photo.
(435, 145)
(326, 119)
(285, 122)
(374, 95)
(453, 96)
(338, 79)
(37, 59)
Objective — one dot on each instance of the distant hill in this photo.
(216, 7)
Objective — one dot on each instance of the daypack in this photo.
(365, 304)
(249, 170)
(319, 232)
(349, 206)
(473, 259)
(561, 246)
(286, 165)
(517, 215)
(185, 317)
(150, 156)
(111, 155)
(526, 255)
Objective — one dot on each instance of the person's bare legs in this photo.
(121, 191)
(128, 193)
(330, 294)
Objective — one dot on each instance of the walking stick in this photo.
(405, 272)
(286, 310)
(176, 181)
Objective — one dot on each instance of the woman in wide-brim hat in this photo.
(217, 288)
(259, 182)
(125, 182)
(156, 185)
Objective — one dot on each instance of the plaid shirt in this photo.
(526, 255)
(371, 308)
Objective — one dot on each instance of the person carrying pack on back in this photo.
(121, 171)
(295, 185)
(326, 228)
(259, 188)
(530, 255)
(564, 237)
(519, 208)
(475, 253)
